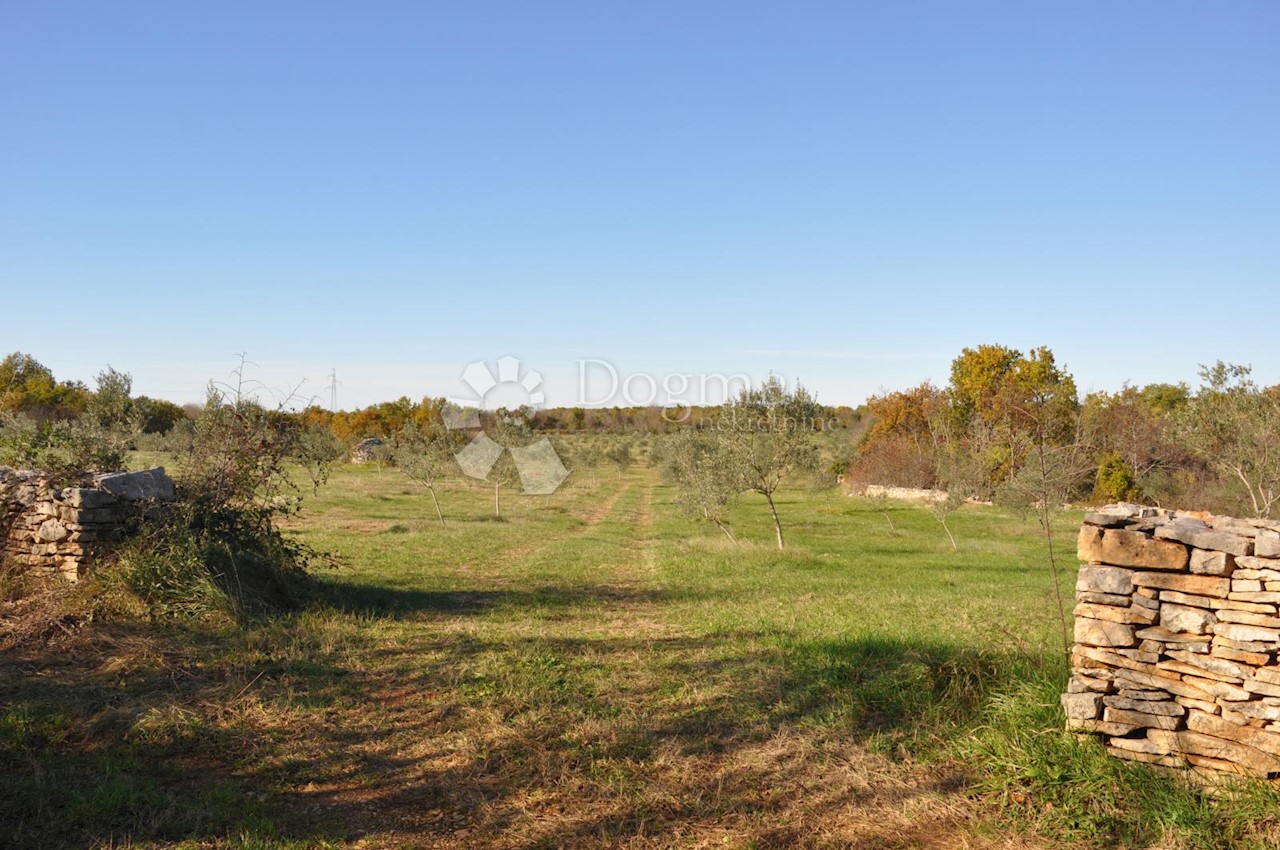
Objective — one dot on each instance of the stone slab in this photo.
(1122, 548)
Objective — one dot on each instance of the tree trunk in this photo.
(439, 513)
(1046, 525)
(777, 523)
(1257, 508)
(952, 537)
(727, 532)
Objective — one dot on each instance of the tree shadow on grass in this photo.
(108, 737)
(382, 600)
(700, 732)
(464, 738)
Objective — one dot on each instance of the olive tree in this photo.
(111, 404)
(424, 458)
(588, 456)
(502, 433)
(621, 456)
(701, 468)
(769, 434)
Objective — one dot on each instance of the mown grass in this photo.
(594, 670)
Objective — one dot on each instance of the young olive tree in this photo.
(588, 456)
(620, 455)
(958, 472)
(701, 468)
(424, 458)
(959, 464)
(506, 431)
(882, 503)
(1055, 462)
(111, 404)
(769, 433)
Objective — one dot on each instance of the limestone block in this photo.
(1200, 744)
(1082, 706)
(1111, 580)
(1198, 535)
(1212, 563)
(1267, 597)
(1103, 633)
(1101, 727)
(1267, 543)
(1129, 549)
(1178, 618)
(1113, 614)
(1141, 719)
(52, 531)
(85, 497)
(1249, 618)
(1248, 633)
(1256, 659)
(1221, 667)
(1196, 585)
(1164, 708)
(1102, 598)
(1259, 739)
(1258, 563)
(138, 486)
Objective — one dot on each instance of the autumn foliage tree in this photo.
(899, 446)
(28, 387)
(1137, 450)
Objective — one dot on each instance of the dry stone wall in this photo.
(1177, 627)
(909, 494)
(50, 531)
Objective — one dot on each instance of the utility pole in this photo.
(333, 391)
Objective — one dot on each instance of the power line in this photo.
(333, 390)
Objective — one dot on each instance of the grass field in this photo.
(592, 670)
(606, 670)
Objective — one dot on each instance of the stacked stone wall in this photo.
(1177, 628)
(49, 531)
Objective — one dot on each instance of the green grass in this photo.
(594, 670)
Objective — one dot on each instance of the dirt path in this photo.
(598, 514)
(592, 518)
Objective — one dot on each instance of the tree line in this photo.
(1009, 423)
(385, 419)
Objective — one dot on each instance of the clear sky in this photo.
(843, 192)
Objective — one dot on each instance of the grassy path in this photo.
(576, 690)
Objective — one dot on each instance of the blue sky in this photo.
(847, 193)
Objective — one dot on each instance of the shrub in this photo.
(1114, 481)
(65, 449)
(219, 548)
(897, 461)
